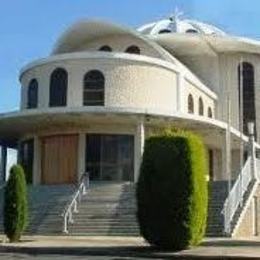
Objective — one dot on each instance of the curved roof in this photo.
(15, 125)
(87, 30)
(191, 37)
(197, 44)
(176, 25)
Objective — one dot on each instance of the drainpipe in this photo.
(255, 216)
(139, 147)
(252, 150)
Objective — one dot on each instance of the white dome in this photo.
(176, 25)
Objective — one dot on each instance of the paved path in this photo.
(123, 248)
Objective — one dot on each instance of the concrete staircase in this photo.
(46, 205)
(218, 191)
(107, 209)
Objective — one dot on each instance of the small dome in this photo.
(177, 25)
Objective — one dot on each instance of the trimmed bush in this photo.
(15, 204)
(172, 194)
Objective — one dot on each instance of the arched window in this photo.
(106, 48)
(164, 31)
(210, 114)
(133, 49)
(192, 31)
(190, 104)
(201, 107)
(248, 93)
(58, 88)
(94, 84)
(32, 94)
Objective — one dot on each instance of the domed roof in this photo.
(176, 25)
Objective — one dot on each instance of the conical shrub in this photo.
(15, 204)
(172, 191)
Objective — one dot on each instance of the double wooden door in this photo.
(59, 159)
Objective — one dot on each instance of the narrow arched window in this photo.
(58, 88)
(106, 48)
(246, 76)
(133, 50)
(210, 114)
(32, 94)
(201, 107)
(190, 104)
(94, 85)
(191, 31)
(164, 31)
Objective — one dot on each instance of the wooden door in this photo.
(59, 159)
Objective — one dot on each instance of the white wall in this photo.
(196, 94)
(229, 80)
(127, 84)
(220, 74)
(136, 83)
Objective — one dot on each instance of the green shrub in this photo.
(15, 204)
(172, 191)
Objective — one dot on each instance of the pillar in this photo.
(224, 158)
(3, 163)
(139, 148)
(180, 87)
(36, 161)
(81, 155)
(252, 150)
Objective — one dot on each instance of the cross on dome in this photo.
(176, 15)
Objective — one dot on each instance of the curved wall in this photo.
(132, 82)
(221, 74)
(190, 88)
(128, 83)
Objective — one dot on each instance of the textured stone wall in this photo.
(247, 226)
(127, 83)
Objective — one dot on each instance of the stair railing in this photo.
(236, 195)
(73, 206)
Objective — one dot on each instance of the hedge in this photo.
(172, 194)
(15, 204)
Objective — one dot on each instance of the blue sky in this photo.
(29, 28)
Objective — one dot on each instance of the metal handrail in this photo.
(236, 195)
(73, 205)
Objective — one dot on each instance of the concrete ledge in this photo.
(131, 247)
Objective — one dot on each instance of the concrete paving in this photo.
(123, 248)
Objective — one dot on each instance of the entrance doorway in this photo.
(110, 157)
(59, 159)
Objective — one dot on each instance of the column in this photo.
(139, 148)
(81, 154)
(225, 157)
(3, 163)
(252, 150)
(36, 161)
(180, 88)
